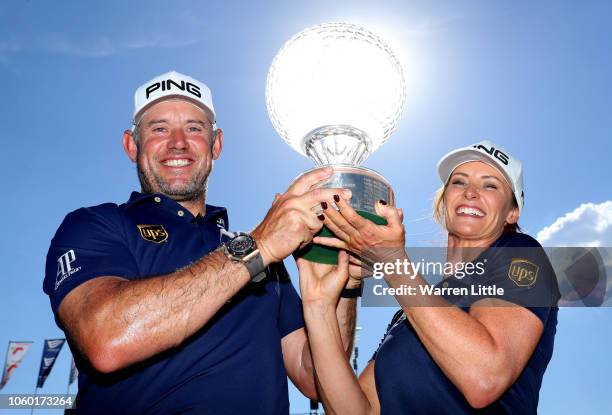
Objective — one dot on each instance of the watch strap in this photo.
(255, 266)
(352, 292)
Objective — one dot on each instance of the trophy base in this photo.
(326, 255)
(367, 187)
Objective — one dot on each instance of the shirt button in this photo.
(181, 213)
(157, 199)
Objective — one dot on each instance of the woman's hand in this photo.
(361, 236)
(321, 284)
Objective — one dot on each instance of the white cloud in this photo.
(588, 225)
(8, 46)
(431, 25)
(106, 46)
(93, 47)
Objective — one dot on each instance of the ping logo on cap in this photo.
(176, 86)
(169, 83)
(499, 155)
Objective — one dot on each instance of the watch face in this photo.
(241, 245)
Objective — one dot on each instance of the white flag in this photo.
(15, 353)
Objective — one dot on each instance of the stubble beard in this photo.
(193, 190)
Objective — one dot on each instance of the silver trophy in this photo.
(335, 92)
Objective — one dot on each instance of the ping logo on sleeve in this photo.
(65, 268)
(153, 233)
(523, 272)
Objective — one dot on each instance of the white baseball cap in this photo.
(172, 85)
(489, 153)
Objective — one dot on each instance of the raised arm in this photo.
(296, 349)
(340, 391)
(116, 323)
(482, 352)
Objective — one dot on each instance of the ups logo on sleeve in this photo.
(153, 233)
(524, 273)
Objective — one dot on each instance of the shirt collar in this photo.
(212, 212)
(137, 197)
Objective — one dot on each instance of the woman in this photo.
(486, 352)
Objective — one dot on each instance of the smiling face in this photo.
(478, 202)
(175, 150)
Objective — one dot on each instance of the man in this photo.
(163, 319)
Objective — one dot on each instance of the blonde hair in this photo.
(439, 211)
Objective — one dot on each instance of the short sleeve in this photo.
(524, 273)
(89, 243)
(291, 316)
(397, 317)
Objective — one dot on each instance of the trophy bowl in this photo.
(335, 92)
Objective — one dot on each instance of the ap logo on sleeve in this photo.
(65, 268)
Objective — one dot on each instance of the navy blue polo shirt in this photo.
(232, 365)
(408, 380)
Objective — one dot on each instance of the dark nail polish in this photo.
(336, 198)
(323, 205)
(321, 217)
(382, 202)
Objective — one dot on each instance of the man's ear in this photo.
(129, 145)
(217, 143)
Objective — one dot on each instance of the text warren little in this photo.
(477, 290)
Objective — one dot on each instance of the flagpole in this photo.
(36, 388)
(35, 393)
(8, 347)
(69, 376)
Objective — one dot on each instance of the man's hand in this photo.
(292, 221)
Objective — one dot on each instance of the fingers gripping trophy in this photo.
(335, 92)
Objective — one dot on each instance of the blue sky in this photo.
(534, 77)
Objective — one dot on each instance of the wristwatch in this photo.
(241, 247)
